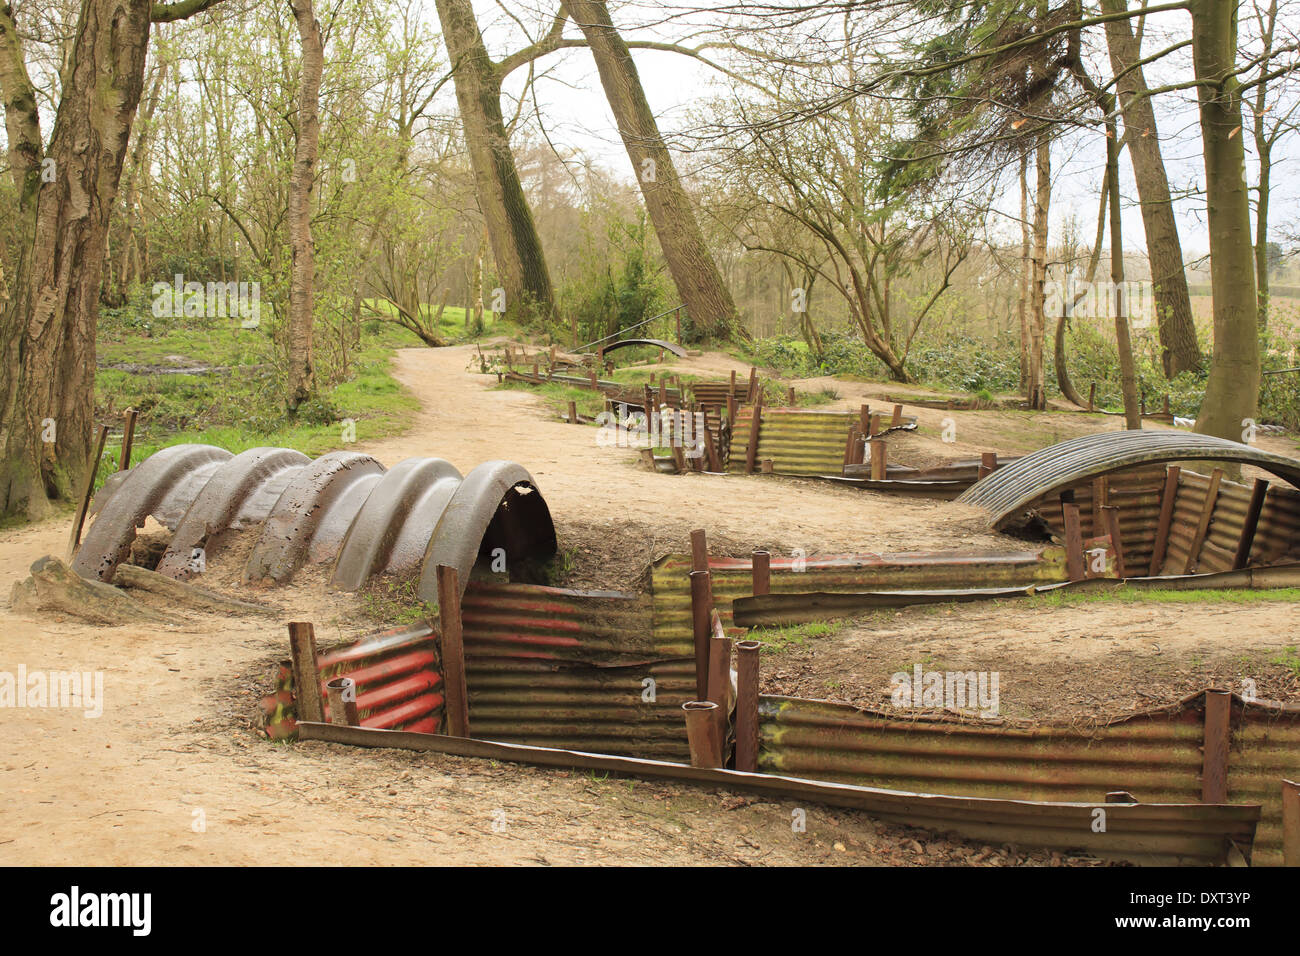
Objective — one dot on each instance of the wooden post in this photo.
(1092, 397)
(128, 438)
(864, 420)
(988, 464)
(1203, 525)
(1100, 498)
(453, 652)
(733, 383)
(875, 425)
(701, 608)
(1217, 730)
(1290, 822)
(1251, 525)
(306, 677)
(753, 384)
(751, 450)
(898, 416)
(731, 407)
(1166, 403)
(850, 447)
(1167, 496)
(342, 693)
(573, 413)
(699, 550)
(710, 448)
(1074, 562)
(789, 396)
(747, 705)
(74, 538)
(879, 465)
(767, 467)
(1110, 517)
(761, 572)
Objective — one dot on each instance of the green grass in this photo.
(780, 639)
(239, 405)
(1126, 595)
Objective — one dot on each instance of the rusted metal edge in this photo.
(1134, 831)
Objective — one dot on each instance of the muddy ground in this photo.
(175, 771)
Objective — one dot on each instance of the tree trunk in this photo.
(1232, 390)
(50, 321)
(1179, 350)
(1123, 341)
(1022, 306)
(302, 268)
(708, 301)
(1037, 390)
(516, 246)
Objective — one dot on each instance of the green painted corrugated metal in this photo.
(1156, 755)
(562, 668)
(670, 582)
(799, 442)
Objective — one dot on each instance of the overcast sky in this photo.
(577, 116)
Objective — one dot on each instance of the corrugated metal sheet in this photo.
(732, 578)
(564, 668)
(1009, 491)
(1277, 537)
(1156, 756)
(342, 507)
(1134, 491)
(799, 442)
(398, 682)
(1137, 832)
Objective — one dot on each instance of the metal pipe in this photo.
(701, 607)
(701, 734)
(761, 572)
(747, 705)
(343, 701)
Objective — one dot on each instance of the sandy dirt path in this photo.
(173, 771)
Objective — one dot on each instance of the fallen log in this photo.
(53, 586)
(190, 595)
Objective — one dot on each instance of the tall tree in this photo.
(708, 301)
(1179, 350)
(1232, 390)
(521, 264)
(66, 192)
(302, 181)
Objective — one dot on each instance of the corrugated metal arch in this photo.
(313, 514)
(222, 502)
(1010, 490)
(150, 488)
(654, 343)
(496, 506)
(344, 504)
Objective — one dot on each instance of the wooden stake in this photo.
(1217, 733)
(1167, 497)
(453, 652)
(1074, 560)
(74, 539)
(128, 437)
(306, 676)
(1257, 497)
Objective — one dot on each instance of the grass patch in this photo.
(780, 639)
(1127, 595)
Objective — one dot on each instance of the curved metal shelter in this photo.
(654, 343)
(344, 507)
(1009, 490)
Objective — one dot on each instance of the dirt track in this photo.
(176, 741)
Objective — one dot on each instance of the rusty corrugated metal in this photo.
(1009, 491)
(398, 682)
(1156, 755)
(343, 507)
(1137, 832)
(1134, 491)
(652, 343)
(564, 668)
(799, 442)
(732, 578)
